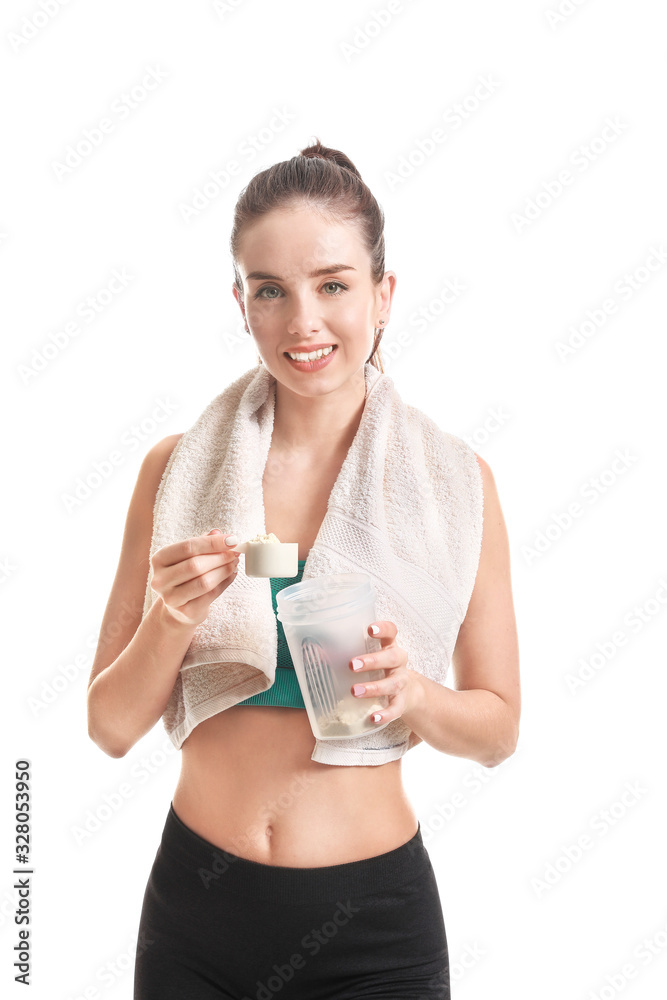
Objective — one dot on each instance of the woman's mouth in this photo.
(315, 364)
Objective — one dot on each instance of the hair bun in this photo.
(326, 153)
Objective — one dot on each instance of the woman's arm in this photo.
(136, 662)
(480, 719)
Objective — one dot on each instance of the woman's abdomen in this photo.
(248, 785)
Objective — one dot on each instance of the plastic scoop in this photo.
(267, 556)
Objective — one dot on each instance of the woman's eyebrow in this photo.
(330, 269)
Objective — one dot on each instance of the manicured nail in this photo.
(377, 718)
(374, 629)
(231, 540)
(357, 664)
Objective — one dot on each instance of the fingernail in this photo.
(377, 718)
(214, 531)
(374, 629)
(357, 664)
(231, 540)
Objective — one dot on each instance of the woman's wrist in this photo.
(169, 622)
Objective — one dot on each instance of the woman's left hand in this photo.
(401, 684)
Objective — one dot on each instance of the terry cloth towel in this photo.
(406, 508)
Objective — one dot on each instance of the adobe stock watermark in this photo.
(220, 178)
(138, 434)
(375, 24)
(88, 309)
(470, 785)
(94, 136)
(468, 957)
(624, 289)
(221, 860)
(141, 772)
(453, 119)
(32, 24)
(635, 621)
(115, 969)
(238, 339)
(642, 955)
(223, 7)
(495, 420)
(562, 12)
(311, 943)
(8, 906)
(600, 824)
(65, 676)
(420, 319)
(7, 569)
(580, 159)
(591, 492)
(270, 811)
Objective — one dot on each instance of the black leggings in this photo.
(217, 925)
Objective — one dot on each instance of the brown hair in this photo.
(328, 179)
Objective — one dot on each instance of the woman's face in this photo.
(289, 307)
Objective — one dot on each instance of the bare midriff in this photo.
(248, 785)
(247, 781)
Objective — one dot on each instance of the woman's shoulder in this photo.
(155, 464)
(160, 453)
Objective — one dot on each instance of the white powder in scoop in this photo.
(271, 538)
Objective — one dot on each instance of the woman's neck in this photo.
(316, 425)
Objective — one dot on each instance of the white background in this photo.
(522, 919)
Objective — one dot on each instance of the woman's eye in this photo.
(339, 287)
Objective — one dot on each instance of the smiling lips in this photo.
(308, 348)
(313, 354)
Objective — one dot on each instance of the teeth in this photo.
(313, 354)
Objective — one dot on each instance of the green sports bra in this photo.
(285, 689)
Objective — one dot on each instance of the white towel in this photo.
(406, 509)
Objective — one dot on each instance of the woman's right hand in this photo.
(189, 575)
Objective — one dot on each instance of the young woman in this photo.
(277, 874)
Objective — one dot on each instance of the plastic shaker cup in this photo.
(325, 620)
